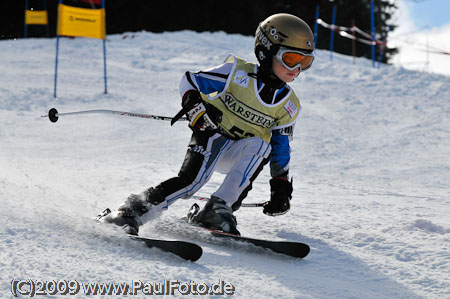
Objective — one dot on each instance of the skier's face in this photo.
(283, 73)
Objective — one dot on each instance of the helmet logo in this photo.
(263, 39)
(261, 55)
(274, 34)
(278, 36)
(308, 43)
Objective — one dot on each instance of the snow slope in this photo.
(370, 163)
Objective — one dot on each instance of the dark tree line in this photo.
(236, 16)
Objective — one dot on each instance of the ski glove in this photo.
(280, 195)
(202, 116)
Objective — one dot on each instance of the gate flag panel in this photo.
(83, 22)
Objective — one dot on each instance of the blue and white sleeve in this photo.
(207, 81)
(281, 152)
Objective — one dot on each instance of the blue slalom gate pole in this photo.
(372, 18)
(316, 26)
(56, 66)
(46, 26)
(25, 28)
(104, 65)
(380, 58)
(56, 59)
(333, 21)
(104, 54)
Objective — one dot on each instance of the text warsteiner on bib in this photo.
(245, 113)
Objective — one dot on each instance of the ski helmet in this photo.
(281, 30)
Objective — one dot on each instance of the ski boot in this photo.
(128, 214)
(123, 218)
(216, 215)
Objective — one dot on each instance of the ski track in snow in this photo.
(370, 162)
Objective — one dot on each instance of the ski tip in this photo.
(190, 251)
(298, 250)
(199, 254)
(305, 252)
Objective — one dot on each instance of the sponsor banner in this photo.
(36, 17)
(83, 22)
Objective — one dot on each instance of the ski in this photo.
(186, 250)
(293, 249)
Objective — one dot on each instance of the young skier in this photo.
(242, 116)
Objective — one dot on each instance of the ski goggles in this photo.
(292, 59)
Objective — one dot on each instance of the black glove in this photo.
(202, 116)
(280, 195)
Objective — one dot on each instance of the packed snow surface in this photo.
(370, 164)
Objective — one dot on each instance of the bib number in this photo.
(239, 133)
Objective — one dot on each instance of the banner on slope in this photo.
(82, 22)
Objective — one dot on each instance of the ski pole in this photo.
(252, 205)
(245, 205)
(53, 114)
